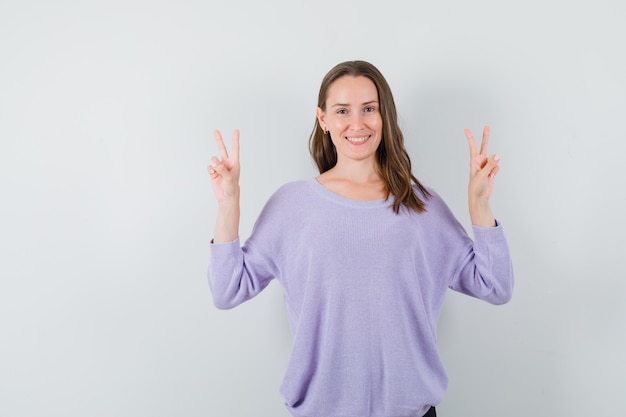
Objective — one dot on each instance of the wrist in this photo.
(230, 201)
(481, 214)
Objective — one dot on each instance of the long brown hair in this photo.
(394, 164)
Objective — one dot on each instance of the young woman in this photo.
(364, 254)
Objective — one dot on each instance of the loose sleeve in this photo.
(485, 270)
(234, 275)
(238, 272)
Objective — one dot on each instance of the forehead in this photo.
(350, 89)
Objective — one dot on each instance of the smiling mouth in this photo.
(357, 140)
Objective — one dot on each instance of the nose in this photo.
(356, 121)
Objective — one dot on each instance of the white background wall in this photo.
(106, 114)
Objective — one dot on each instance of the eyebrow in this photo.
(347, 105)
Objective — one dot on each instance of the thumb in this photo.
(491, 167)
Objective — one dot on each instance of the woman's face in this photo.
(352, 117)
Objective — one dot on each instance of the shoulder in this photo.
(289, 196)
(435, 204)
(285, 206)
(291, 189)
(428, 195)
(439, 223)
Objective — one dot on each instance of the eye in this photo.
(370, 109)
(342, 111)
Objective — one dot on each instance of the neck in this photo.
(357, 172)
(359, 184)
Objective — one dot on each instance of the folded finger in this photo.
(216, 164)
(494, 171)
(212, 173)
(491, 164)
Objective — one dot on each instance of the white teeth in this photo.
(358, 140)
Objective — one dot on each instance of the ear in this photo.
(321, 118)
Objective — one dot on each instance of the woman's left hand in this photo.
(483, 170)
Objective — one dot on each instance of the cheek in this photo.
(338, 130)
(377, 123)
(338, 123)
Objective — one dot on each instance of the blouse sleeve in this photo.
(235, 277)
(238, 272)
(485, 270)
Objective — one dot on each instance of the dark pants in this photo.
(431, 413)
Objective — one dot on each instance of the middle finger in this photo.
(484, 144)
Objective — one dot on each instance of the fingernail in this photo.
(496, 157)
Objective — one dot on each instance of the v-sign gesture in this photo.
(224, 173)
(483, 169)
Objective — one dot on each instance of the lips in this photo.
(357, 140)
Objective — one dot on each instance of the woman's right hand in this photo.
(224, 171)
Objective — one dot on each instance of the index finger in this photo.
(220, 144)
(472, 142)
